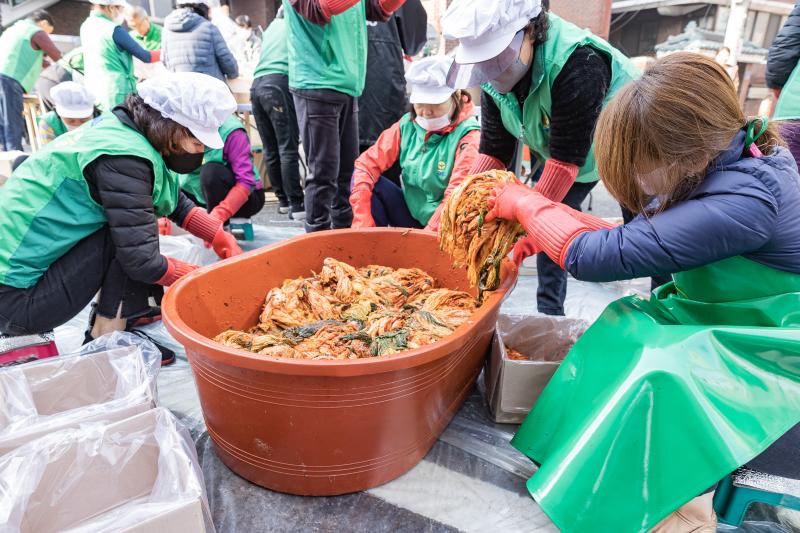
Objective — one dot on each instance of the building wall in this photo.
(592, 14)
(69, 15)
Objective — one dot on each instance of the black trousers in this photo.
(276, 120)
(70, 284)
(328, 123)
(216, 181)
(552, 278)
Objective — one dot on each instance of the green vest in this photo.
(274, 57)
(107, 68)
(788, 107)
(191, 182)
(47, 206)
(151, 41)
(333, 56)
(54, 122)
(532, 122)
(73, 61)
(18, 59)
(662, 398)
(427, 164)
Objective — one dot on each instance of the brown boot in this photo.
(696, 516)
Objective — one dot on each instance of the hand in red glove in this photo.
(507, 200)
(233, 201)
(201, 224)
(175, 270)
(361, 203)
(524, 248)
(164, 226)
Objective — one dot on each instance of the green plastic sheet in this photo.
(661, 398)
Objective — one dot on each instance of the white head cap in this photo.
(428, 80)
(197, 101)
(484, 28)
(72, 100)
(120, 3)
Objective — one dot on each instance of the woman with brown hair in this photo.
(435, 143)
(79, 216)
(662, 398)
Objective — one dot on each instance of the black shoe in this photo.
(150, 315)
(167, 355)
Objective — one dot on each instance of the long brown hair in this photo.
(164, 134)
(676, 119)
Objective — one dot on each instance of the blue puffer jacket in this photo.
(744, 206)
(190, 43)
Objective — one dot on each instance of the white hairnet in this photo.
(72, 100)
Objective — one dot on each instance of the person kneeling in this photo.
(79, 216)
(436, 143)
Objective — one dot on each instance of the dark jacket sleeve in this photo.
(41, 41)
(741, 219)
(124, 187)
(496, 141)
(182, 209)
(412, 25)
(784, 52)
(125, 42)
(227, 63)
(578, 93)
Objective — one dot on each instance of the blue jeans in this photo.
(12, 125)
(389, 206)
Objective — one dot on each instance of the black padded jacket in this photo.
(785, 51)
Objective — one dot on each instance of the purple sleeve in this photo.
(237, 153)
(690, 234)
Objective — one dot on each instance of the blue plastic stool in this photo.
(737, 492)
(242, 226)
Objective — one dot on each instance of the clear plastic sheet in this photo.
(140, 474)
(108, 381)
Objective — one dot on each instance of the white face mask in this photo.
(435, 123)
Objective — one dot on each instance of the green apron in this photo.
(662, 398)
(47, 204)
(191, 182)
(151, 41)
(788, 106)
(333, 56)
(531, 123)
(18, 59)
(427, 162)
(274, 58)
(108, 69)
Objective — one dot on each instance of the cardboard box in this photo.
(139, 475)
(64, 392)
(513, 386)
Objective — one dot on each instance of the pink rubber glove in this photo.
(524, 248)
(201, 224)
(233, 201)
(556, 180)
(361, 203)
(485, 162)
(436, 218)
(175, 270)
(164, 226)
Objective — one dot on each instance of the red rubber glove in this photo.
(175, 270)
(361, 202)
(524, 248)
(155, 56)
(551, 227)
(485, 162)
(234, 201)
(164, 226)
(330, 8)
(201, 224)
(556, 180)
(390, 6)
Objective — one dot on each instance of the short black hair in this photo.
(200, 9)
(538, 26)
(40, 15)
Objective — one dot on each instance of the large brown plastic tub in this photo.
(324, 427)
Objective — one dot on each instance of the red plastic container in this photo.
(324, 427)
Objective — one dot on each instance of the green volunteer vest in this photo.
(788, 106)
(52, 119)
(47, 206)
(333, 56)
(274, 57)
(151, 41)
(662, 398)
(107, 68)
(18, 59)
(532, 122)
(427, 164)
(191, 182)
(72, 61)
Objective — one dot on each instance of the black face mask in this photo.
(184, 163)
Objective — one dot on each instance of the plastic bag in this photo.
(150, 354)
(103, 384)
(541, 338)
(141, 472)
